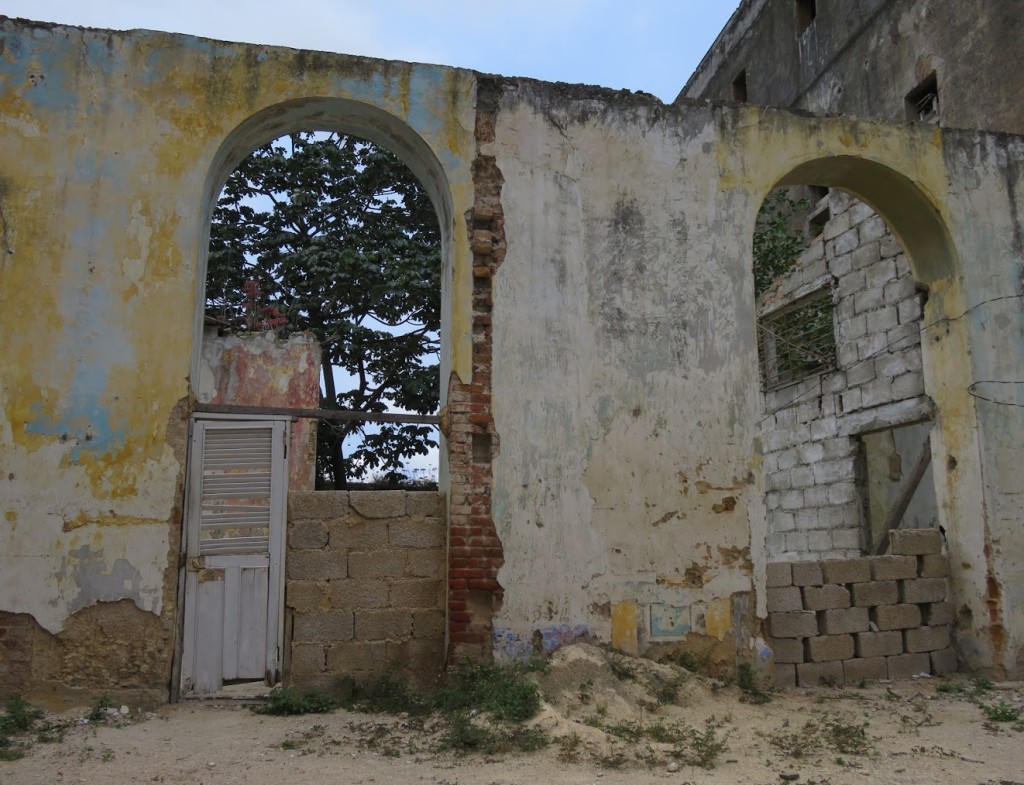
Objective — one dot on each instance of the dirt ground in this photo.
(600, 712)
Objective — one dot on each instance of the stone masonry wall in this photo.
(810, 427)
(365, 586)
(876, 617)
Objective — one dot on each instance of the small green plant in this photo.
(691, 661)
(286, 702)
(890, 695)
(499, 690)
(107, 755)
(622, 668)
(464, 735)
(702, 747)
(796, 744)
(98, 712)
(951, 688)
(981, 685)
(849, 738)
(1001, 712)
(665, 689)
(389, 695)
(19, 716)
(749, 684)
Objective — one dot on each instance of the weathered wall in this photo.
(365, 587)
(810, 428)
(598, 329)
(862, 57)
(257, 369)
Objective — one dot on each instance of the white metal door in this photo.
(235, 523)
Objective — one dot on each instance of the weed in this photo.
(12, 752)
(630, 731)
(98, 712)
(846, 737)
(695, 663)
(665, 690)
(981, 685)
(107, 755)
(796, 744)
(890, 695)
(290, 744)
(586, 692)
(613, 760)
(1001, 712)
(951, 688)
(499, 690)
(702, 747)
(287, 702)
(747, 681)
(388, 695)
(667, 734)
(19, 716)
(569, 748)
(463, 735)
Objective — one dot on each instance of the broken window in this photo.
(806, 11)
(922, 103)
(797, 341)
(739, 87)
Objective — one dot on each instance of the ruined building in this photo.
(609, 471)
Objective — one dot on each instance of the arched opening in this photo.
(846, 253)
(246, 489)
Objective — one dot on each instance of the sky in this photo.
(649, 45)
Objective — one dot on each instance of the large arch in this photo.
(338, 115)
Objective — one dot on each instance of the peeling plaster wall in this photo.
(257, 369)
(115, 145)
(624, 466)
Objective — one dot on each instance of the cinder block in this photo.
(915, 542)
(944, 661)
(829, 647)
(415, 593)
(350, 657)
(387, 624)
(323, 627)
(906, 666)
(307, 535)
(785, 676)
(307, 595)
(846, 570)
(355, 534)
(837, 622)
(821, 598)
(308, 658)
(935, 565)
(785, 598)
(779, 574)
(896, 617)
(815, 674)
(938, 614)
(796, 624)
(425, 563)
(359, 594)
(921, 639)
(879, 644)
(807, 573)
(376, 564)
(425, 533)
(317, 505)
(378, 504)
(923, 590)
(875, 593)
(423, 503)
(317, 565)
(428, 624)
(786, 650)
(873, 668)
(891, 568)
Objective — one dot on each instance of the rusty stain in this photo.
(728, 504)
(665, 518)
(736, 555)
(694, 577)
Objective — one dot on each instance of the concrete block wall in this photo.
(810, 428)
(365, 586)
(874, 617)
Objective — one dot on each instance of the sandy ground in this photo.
(916, 732)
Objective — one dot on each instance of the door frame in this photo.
(276, 547)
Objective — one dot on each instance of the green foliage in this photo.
(776, 244)
(334, 235)
(749, 684)
(19, 716)
(388, 695)
(98, 712)
(499, 690)
(702, 747)
(464, 735)
(1001, 712)
(287, 702)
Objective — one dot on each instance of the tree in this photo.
(337, 237)
(777, 245)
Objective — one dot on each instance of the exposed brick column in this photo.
(475, 553)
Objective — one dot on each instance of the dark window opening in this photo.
(821, 211)
(922, 103)
(739, 87)
(806, 11)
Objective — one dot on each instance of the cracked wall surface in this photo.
(604, 461)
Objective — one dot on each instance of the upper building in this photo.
(955, 62)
